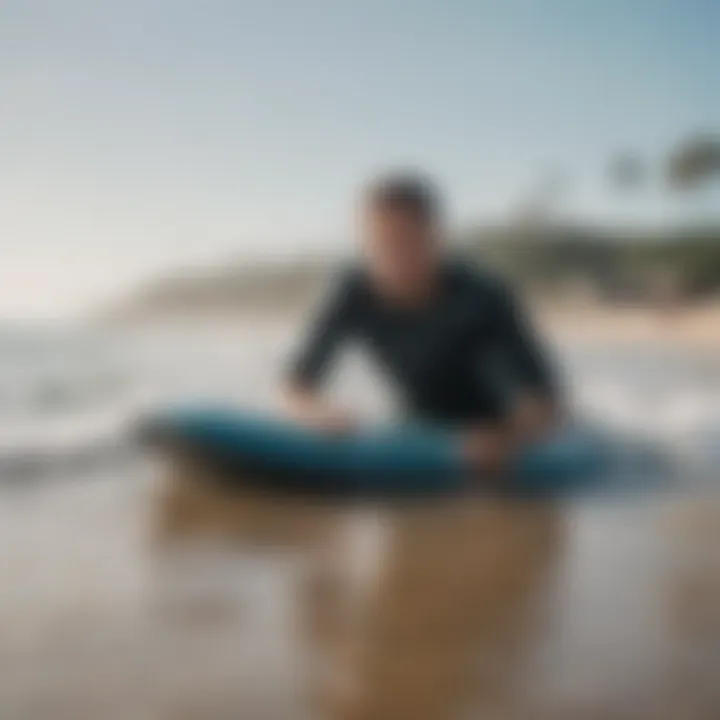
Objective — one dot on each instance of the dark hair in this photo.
(406, 191)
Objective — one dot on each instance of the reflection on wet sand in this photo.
(478, 608)
(451, 611)
(248, 607)
(438, 621)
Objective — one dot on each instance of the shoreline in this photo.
(693, 327)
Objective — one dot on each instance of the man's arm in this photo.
(536, 402)
(313, 359)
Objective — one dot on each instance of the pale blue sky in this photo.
(145, 134)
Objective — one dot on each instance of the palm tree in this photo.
(691, 166)
(694, 162)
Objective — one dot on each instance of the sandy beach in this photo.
(693, 328)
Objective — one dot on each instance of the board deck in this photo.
(376, 461)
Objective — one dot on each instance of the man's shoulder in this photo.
(471, 277)
(348, 282)
(351, 276)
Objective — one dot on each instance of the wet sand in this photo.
(475, 607)
(195, 606)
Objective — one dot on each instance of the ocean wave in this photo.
(73, 463)
(66, 405)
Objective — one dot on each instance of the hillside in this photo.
(550, 260)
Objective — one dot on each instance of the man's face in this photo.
(401, 250)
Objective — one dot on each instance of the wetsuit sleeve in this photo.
(527, 358)
(331, 325)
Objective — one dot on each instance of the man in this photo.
(451, 337)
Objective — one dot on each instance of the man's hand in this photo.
(330, 421)
(308, 409)
(487, 449)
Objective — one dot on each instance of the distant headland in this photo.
(609, 264)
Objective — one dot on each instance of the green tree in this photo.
(694, 162)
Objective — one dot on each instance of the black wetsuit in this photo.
(460, 359)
